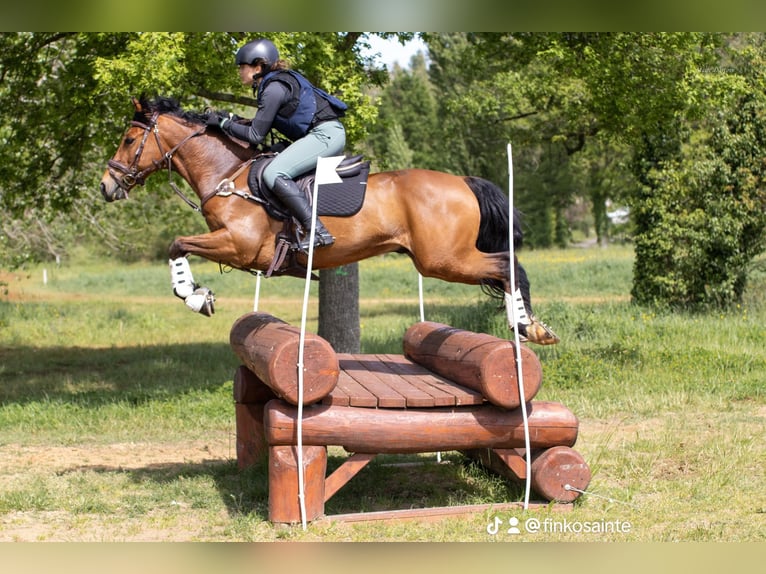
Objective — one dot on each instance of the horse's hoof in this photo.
(540, 333)
(202, 301)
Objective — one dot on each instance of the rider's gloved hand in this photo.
(218, 119)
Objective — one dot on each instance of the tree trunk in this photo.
(339, 308)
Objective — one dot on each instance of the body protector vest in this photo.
(307, 106)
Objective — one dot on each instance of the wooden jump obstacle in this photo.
(450, 390)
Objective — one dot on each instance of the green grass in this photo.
(116, 416)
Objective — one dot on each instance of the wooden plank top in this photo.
(393, 381)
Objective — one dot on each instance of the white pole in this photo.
(325, 173)
(420, 297)
(423, 318)
(301, 344)
(257, 297)
(517, 341)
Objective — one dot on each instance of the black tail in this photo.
(493, 206)
(493, 229)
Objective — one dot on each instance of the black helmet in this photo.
(257, 51)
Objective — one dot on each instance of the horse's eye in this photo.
(129, 141)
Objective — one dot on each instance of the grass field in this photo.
(117, 423)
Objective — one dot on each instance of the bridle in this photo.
(129, 175)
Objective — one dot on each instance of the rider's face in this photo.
(247, 72)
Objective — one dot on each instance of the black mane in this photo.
(165, 105)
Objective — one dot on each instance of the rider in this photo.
(301, 112)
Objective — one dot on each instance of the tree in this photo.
(663, 97)
(406, 132)
(339, 308)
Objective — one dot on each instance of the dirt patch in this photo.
(56, 459)
(29, 463)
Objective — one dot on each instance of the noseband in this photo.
(129, 175)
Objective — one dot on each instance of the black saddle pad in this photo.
(342, 199)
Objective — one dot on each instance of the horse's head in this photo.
(132, 162)
(142, 151)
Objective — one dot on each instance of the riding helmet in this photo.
(258, 51)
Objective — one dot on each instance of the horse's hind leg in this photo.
(518, 303)
(529, 325)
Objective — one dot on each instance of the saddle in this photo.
(342, 199)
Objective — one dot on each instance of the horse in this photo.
(454, 228)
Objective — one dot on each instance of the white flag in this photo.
(326, 170)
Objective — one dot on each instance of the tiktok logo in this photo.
(493, 528)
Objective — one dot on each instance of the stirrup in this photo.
(321, 239)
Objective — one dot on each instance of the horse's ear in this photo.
(136, 104)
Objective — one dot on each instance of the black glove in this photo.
(218, 119)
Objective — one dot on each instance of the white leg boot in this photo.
(531, 329)
(198, 299)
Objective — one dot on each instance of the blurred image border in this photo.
(374, 15)
(392, 15)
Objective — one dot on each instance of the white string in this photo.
(517, 341)
(590, 493)
(257, 296)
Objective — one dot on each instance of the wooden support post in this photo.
(250, 397)
(345, 472)
(284, 504)
(251, 442)
(506, 462)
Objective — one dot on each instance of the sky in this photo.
(391, 51)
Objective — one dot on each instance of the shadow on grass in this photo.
(101, 376)
(390, 482)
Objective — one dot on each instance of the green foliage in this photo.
(705, 215)
(685, 107)
(406, 133)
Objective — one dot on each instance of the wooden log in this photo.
(552, 469)
(250, 396)
(249, 389)
(284, 504)
(251, 441)
(425, 430)
(478, 361)
(555, 468)
(269, 347)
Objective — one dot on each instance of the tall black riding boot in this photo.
(298, 204)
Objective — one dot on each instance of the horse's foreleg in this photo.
(214, 246)
(199, 299)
